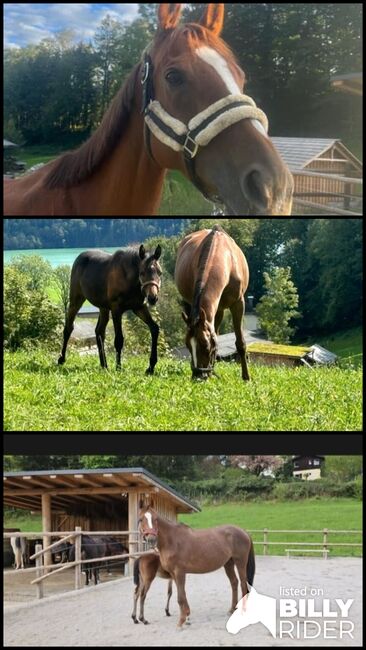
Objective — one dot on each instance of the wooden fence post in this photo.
(39, 563)
(78, 567)
(265, 540)
(325, 543)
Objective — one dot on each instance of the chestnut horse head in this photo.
(147, 524)
(199, 121)
(182, 107)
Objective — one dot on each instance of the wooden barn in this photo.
(323, 170)
(95, 499)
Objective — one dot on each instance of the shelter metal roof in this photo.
(24, 489)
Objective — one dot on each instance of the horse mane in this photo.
(204, 257)
(74, 167)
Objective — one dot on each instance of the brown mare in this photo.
(144, 571)
(182, 107)
(183, 550)
(117, 283)
(212, 275)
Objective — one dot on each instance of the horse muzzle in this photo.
(151, 541)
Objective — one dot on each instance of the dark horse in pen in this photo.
(115, 283)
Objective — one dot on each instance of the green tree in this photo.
(29, 316)
(278, 306)
(343, 468)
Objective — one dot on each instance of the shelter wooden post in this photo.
(46, 526)
(39, 562)
(132, 525)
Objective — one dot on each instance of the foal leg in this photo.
(170, 591)
(100, 335)
(237, 311)
(145, 588)
(230, 572)
(180, 579)
(118, 338)
(146, 317)
(75, 304)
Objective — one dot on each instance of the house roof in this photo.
(299, 152)
(24, 489)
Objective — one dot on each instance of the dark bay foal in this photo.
(115, 283)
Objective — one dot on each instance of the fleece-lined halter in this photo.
(201, 129)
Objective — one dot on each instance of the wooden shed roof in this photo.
(348, 83)
(300, 152)
(24, 489)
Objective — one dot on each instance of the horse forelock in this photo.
(190, 36)
(74, 167)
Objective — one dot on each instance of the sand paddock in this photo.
(101, 615)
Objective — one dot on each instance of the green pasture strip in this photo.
(80, 396)
(309, 514)
(347, 345)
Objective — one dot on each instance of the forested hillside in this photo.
(74, 233)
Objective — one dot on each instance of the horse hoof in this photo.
(61, 361)
(167, 613)
(149, 372)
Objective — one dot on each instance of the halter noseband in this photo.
(155, 284)
(201, 129)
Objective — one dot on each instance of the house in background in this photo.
(307, 468)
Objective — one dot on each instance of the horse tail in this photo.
(136, 572)
(251, 564)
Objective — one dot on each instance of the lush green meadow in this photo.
(310, 514)
(39, 395)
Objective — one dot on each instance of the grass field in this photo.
(310, 514)
(39, 395)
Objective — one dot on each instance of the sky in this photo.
(28, 23)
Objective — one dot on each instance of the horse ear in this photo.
(157, 253)
(142, 252)
(185, 317)
(213, 18)
(169, 15)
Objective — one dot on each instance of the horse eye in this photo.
(174, 77)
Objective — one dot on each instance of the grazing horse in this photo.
(183, 108)
(211, 275)
(115, 283)
(183, 550)
(145, 569)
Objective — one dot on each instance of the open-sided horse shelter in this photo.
(94, 499)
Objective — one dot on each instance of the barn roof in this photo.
(25, 489)
(300, 152)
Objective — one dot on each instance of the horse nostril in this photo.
(257, 189)
(152, 300)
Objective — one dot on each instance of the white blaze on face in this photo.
(194, 351)
(221, 66)
(148, 516)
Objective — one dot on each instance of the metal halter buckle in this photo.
(186, 147)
